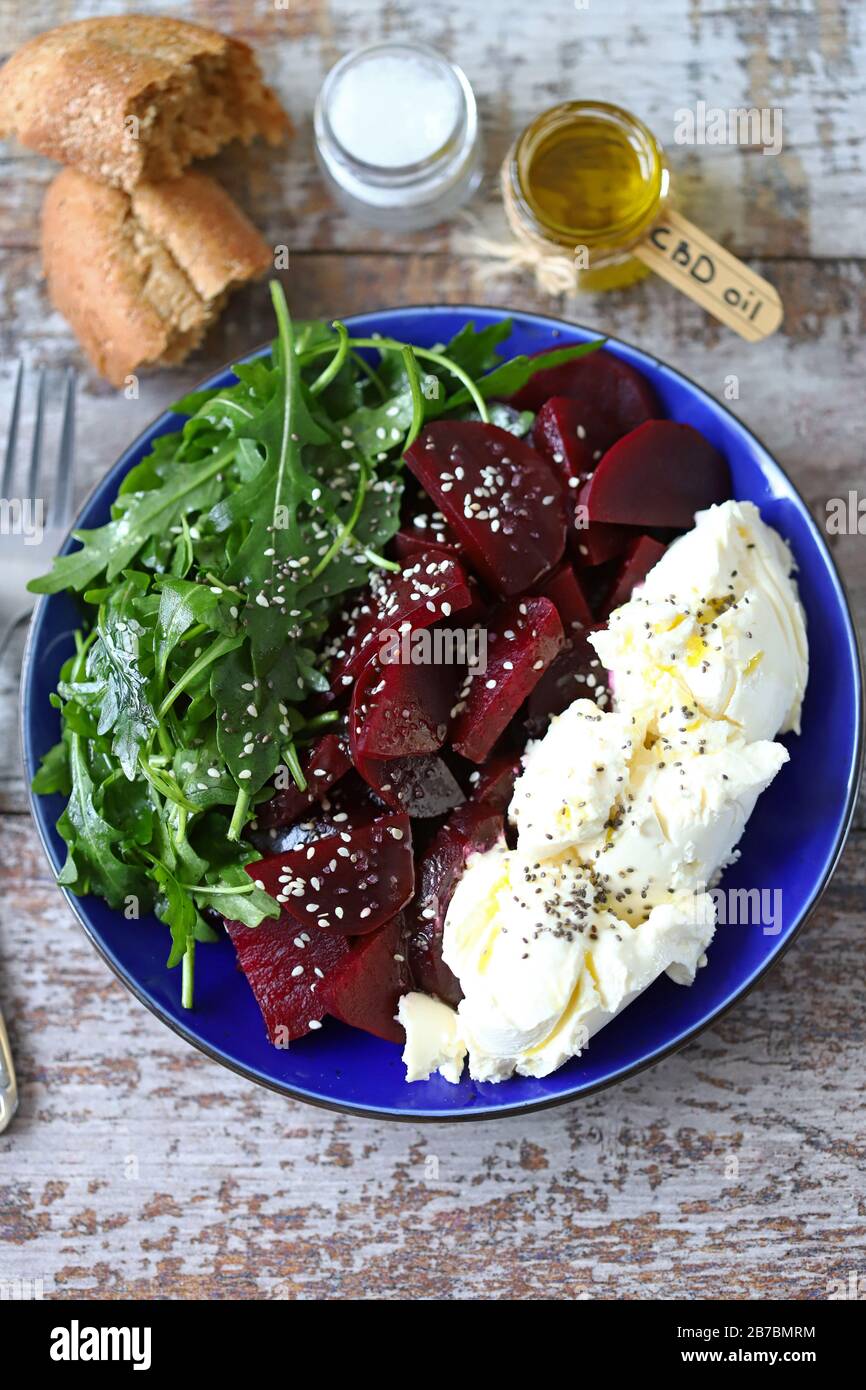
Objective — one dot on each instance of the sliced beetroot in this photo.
(564, 589)
(400, 710)
(614, 388)
(426, 531)
(286, 965)
(577, 673)
(658, 475)
(596, 542)
(438, 872)
(493, 783)
(350, 804)
(430, 587)
(475, 826)
(422, 787)
(477, 611)
(639, 559)
(322, 765)
(524, 637)
(597, 584)
(503, 501)
(349, 882)
(365, 986)
(575, 449)
(573, 434)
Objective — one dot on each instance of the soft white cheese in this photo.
(619, 966)
(717, 627)
(678, 819)
(572, 777)
(513, 937)
(432, 1039)
(540, 980)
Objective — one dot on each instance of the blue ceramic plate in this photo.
(793, 841)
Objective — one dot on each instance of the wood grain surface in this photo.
(733, 1169)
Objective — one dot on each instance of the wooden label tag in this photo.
(691, 261)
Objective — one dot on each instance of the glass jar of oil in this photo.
(587, 180)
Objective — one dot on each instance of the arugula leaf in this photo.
(182, 603)
(237, 897)
(112, 547)
(53, 774)
(178, 910)
(374, 429)
(512, 376)
(91, 863)
(475, 349)
(252, 723)
(120, 688)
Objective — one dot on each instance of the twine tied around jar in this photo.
(555, 273)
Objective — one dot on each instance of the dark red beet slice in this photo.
(351, 803)
(427, 531)
(493, 783)
(502, 500)
(597, 584)
(576, 455)
(615, 389)
(400, 710)
(478, 610)
(640, 557)
(563, 588)
(577, 673)
(523, 640)
(322, 765)
(573, 434)
(595, 543)
(422, 787)
(349, 882)
(365, 986)
(658, 475)
(438, 873)
(430, 587)
(270, 954)
(475, 826)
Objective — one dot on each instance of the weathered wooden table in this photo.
(734, 1169)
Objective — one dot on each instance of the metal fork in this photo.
(31, 529)
(30, 534)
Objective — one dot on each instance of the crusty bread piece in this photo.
(135, 97)
(141, 277)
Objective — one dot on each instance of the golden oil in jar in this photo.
(587, 179)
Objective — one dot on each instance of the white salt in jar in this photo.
(397, 135)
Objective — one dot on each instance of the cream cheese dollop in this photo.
(678, 818)
(433, 1042)
(543, 967)
(716, 627)
(572, 777)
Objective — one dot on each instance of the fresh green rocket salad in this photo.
(206, 599)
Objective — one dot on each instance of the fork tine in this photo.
(61, 506)
(12, 437)
(36, 446)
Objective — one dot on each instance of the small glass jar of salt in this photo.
(397, 135)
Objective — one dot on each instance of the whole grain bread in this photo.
(135, 97)
(141, 276)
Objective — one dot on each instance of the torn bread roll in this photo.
(141, 277)
(135, 97)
